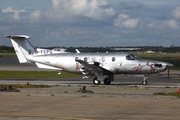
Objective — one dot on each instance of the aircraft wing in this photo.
(90, 69)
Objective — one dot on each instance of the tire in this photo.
(107, 81)
(144, 82)
(96, 82)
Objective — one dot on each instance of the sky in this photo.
(92, 23)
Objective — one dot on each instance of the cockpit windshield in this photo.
(131, 57)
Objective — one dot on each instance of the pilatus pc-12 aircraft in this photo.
(96, 65)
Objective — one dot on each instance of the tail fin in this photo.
(21, 46)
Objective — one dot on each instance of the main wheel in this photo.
(107, 81)
(96, 82)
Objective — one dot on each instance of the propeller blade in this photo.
(168, 73)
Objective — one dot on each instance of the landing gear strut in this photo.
(144, 82)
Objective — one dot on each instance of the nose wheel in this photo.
(144, 82)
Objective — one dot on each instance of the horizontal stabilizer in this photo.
(18, 37)
(22, 46)
(39, 65)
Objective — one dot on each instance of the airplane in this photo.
(101, 66)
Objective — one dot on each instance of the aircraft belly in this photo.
(43, 60)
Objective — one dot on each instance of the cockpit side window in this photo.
(131, 57)
(85, 59)
(76, 58)
(128, 57)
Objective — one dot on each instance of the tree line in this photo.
(171, 49)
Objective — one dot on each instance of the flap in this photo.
(93, 67)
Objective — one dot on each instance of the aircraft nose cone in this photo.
(167, 65)
(162, 66)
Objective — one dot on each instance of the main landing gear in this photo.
(107, 81)
(96, 82)
(144, 82)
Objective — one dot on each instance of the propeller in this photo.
(168, 70)
(168, 66)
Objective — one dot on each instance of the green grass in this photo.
(24, 86)
(7, 54)
(35, 74)
(175, 94)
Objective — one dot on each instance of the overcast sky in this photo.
(92, 23)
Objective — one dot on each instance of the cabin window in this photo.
(131, 57)
(103, 59)
(113, 59)
(85, 59)
(76, 58)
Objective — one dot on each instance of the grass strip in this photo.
(25, 86)
(35, 74)
(7, 54)
(175, 94)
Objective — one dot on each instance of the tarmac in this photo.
(107, 102)
(124, 99)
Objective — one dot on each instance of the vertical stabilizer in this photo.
(21, 46)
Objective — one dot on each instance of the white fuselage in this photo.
(114, 62)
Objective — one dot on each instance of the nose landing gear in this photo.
(144, 82)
